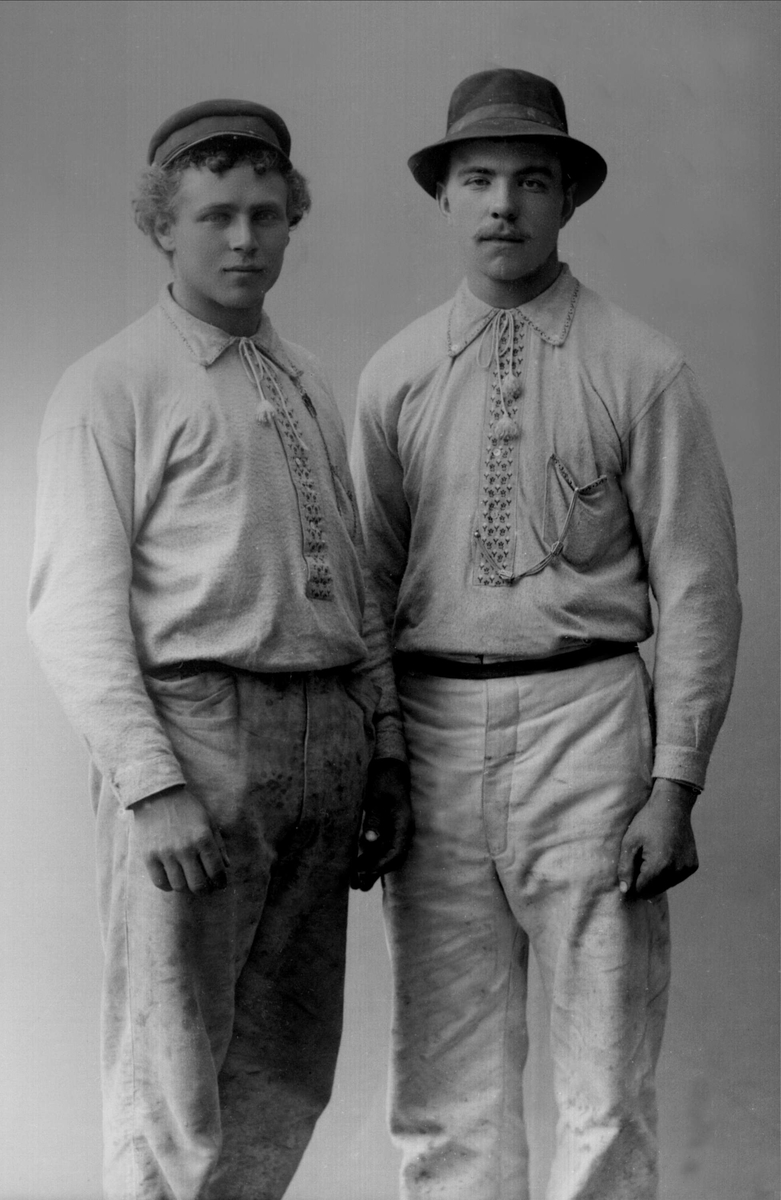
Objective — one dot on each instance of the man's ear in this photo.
(442, 200)
(568, 206)
(164, 237)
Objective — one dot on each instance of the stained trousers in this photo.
(522, 791)
(222, 1013)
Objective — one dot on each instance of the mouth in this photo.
(243, 270)
(512, 239)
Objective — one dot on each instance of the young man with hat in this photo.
(199, 603)
(532, 464)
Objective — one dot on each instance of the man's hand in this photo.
(181, 849)
(658, 850)
(387, 826)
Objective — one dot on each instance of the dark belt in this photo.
(453, 668)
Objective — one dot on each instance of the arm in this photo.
(680, 500)
(388, 824)
(80, 625)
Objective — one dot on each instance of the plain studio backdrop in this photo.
(681, 100)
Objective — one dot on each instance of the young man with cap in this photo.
(532, 464)
(198, 602)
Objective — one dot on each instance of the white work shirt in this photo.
(531, 545)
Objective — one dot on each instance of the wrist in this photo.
(391, 765)
(174, 790)
(676, 792)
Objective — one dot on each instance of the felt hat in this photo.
(218, 118)
(505, 103)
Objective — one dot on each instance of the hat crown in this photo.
(506, 103)
(538, 97)
(215, 118)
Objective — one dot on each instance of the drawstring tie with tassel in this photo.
(261, 370)
(503, 325)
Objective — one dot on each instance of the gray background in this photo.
(681, 99)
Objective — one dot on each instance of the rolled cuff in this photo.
(682, 763)
(136, 781)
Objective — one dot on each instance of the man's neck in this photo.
(237, 322)
(515, 292)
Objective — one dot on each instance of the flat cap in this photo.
(218, 118)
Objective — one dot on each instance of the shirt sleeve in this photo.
(378, 667)
(390, 741)
(379, 484)
(80, 621)
(680, 500)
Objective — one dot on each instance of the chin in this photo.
(511, 276)
(244, 301)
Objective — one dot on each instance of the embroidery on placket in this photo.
(501, 352)
(273, 407)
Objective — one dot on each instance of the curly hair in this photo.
(154, 203)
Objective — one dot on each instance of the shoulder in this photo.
(621, 361)
(629, 350)
(409, 356)
(97, 386)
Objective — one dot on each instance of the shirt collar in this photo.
(207, 342)
(549, 314)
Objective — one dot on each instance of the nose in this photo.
(504, 200)
(242, 235)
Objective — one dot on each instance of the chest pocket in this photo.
(584, 518)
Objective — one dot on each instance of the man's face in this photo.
(227, 244)
(506, 203)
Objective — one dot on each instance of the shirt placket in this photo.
(275, 409)
(498, 499)
(319, 579)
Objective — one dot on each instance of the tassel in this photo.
(264, 413)
(513, 388)
(506, 429)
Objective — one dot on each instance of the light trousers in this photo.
(522, 791)
(222, 1013)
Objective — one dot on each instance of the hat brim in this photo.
(227, 133)
(584, 164)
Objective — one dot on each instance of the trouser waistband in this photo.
(453, 668)
(199, 666)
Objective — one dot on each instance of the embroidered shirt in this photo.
(525, 492)
(195, 502)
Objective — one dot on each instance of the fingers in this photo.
(362, 880)
(655, 878)
(181, 849)
(366, 868)
(383, 846)
(212, 861)
(392, 857)
(201, 869)
(628, 865)
(158, 875)
(643, 873)
(651, 880)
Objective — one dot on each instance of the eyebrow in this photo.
(226, 206)
(476, 168)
